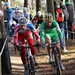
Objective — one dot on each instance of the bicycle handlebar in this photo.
(53, 43)
(32, 45)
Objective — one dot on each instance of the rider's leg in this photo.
(48, 40)
(33, 50)
(59, 52)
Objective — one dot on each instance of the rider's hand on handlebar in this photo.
(22, 45)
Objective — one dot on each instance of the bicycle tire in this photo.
(59, 72)
(15, 48)
(32, 66)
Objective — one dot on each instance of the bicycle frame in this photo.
(29, 53)
(29, 56)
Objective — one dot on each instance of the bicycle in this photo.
(30, 60)
(56, 58)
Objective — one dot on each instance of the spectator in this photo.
(60, 20)
(6, 16)
(71, 17)
(66, 17)
(39, 18)
(26, 13)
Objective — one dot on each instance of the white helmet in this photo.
(16, 9)
(25, 9)
(23, 21)
(39, 13)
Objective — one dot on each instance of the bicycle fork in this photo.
(57, 62)
(30, 63)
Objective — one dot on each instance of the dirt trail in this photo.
(44, 68)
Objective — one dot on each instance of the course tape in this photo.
(3, 46)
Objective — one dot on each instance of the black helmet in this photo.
(23, 21)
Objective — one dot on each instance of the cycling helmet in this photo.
(39, 13)
(48, 16)
(23, 21)
(16, 8)
(25, 9)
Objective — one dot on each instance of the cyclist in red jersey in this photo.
(25, 33)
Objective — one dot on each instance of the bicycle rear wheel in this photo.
(32, 66)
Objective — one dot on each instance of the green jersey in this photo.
(53, 31)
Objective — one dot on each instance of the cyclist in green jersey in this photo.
(51, 32)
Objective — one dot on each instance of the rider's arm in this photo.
(34, 31)
(37, 35)
(40, 18)
(42, 32)
(59, 31)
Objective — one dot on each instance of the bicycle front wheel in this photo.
(32, 66)
(59, 72)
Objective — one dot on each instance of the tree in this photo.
(25, 3)
(50, 7)
(38, 5)
(4, 58)
(44, 6)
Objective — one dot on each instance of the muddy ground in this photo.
(44, 68)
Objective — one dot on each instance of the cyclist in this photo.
(24, 32)
(26, 13)
(38, 18)
(50, 32)
(15, 15)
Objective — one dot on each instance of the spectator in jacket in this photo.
(6, 16)
(71, 17)
(66, 17)
(60, 20)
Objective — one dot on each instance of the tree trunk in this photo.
(50, 7)
(25, 3)
(38, 5)
(4, 57)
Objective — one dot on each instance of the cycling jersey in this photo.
(27, 15)
(25, 34)
(29, 27)
(16, 17)
(52, 31)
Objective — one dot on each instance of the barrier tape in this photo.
(1, 54)
(3, 46)
(70, 31)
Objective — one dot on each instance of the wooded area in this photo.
(5, 56)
